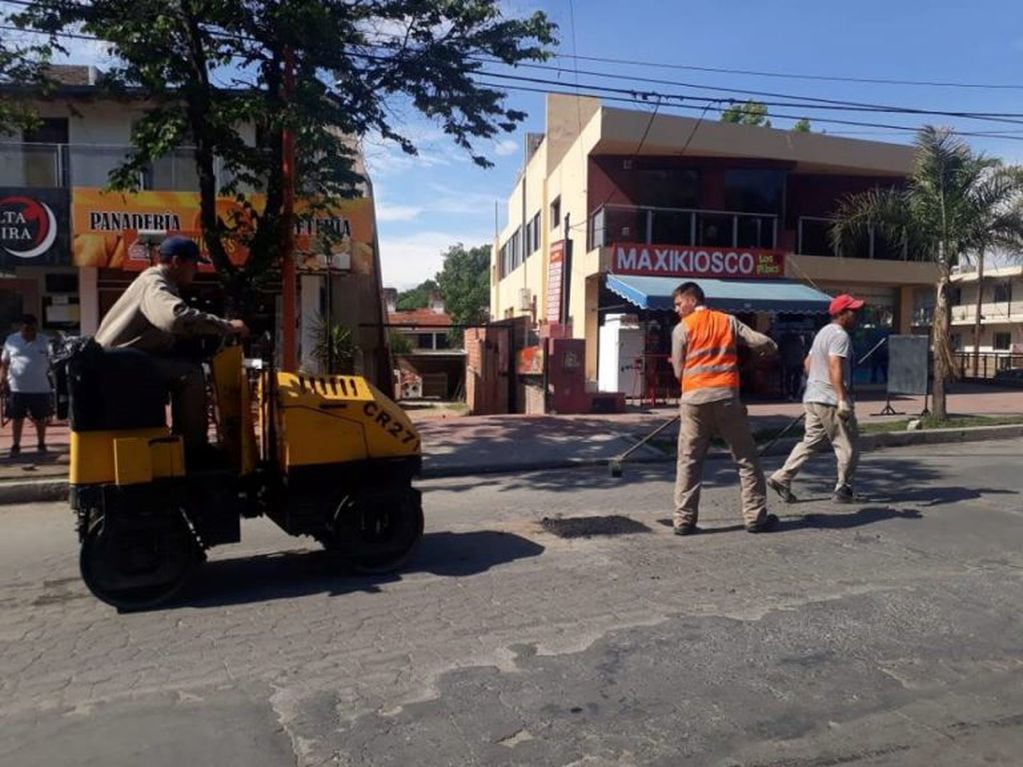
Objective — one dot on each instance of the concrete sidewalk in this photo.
(472, 445)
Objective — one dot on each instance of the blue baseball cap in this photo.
(183, 248)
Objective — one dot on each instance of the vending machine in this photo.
(622, 347)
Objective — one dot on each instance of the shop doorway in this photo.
(16, 298)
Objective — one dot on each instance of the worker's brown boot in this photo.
(766, 524)
(783, 490)
(845, 494)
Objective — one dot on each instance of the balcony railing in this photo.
(66, 165)
(1003, 311)
(813, 239)
(681, 226)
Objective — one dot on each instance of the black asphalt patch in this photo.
(587, 527)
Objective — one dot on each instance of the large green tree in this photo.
(750, 113)
(955, 205)
(24, 63)
(207, 71)
(417, 297)
(465, 283)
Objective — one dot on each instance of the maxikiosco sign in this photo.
(34, 227)
(688, 261)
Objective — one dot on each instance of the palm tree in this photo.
(956, 204)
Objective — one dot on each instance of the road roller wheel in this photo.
(375, 532)
(137, 568)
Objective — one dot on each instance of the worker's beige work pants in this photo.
(823, 426)
(726, 419)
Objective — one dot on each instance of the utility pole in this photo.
(288, 279)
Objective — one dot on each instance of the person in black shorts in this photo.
(24, 378)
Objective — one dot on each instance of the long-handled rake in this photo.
(782, 433)
(615, 464)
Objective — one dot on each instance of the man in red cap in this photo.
(830, 415)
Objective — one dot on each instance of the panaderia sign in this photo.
(107, 226)
(689, 261)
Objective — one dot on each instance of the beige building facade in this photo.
(613, 206)
(1001, 310)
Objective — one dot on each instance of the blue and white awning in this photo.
(727, 295)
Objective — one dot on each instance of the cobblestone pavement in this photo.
(887, 633)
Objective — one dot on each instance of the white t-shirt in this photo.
(27, 362)
(831, 341)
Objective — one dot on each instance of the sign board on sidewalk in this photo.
(908, 358)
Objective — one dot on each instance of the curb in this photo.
(33, 491)
(446, 472)
(56, 489)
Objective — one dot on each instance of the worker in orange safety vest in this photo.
(705, 357)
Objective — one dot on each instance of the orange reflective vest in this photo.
(712, 359)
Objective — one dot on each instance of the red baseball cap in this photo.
(840, 303)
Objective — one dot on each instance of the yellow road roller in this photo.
(325, 456)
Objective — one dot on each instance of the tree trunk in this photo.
(976, 319)
(944, 359)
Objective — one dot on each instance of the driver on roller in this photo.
(151, 315)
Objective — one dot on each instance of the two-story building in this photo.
(69, 248)
(1001, 319)
(614, 208)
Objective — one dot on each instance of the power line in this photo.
(1011, 118)
(635, 99)
(639, 97)
(813, 101)
(792, 75)
(681, 153)
(575, 56)
(808, 102)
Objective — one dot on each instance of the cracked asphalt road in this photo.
(882, 634)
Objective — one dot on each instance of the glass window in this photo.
(672, 228)
(664, 187)
(1003, 293)
(173, 172)
(424, 340)
(556, 212)
(755, 232)
(716, 231)
(442, 341)
(624, 225)
(41, 159)
(754, 191)
(535, 242)
(513, 249)
(1003, 341)
(814, 237)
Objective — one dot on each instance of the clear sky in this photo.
(425, 204)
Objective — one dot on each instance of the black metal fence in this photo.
(989, 364)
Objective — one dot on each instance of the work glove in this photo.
(845, 410)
